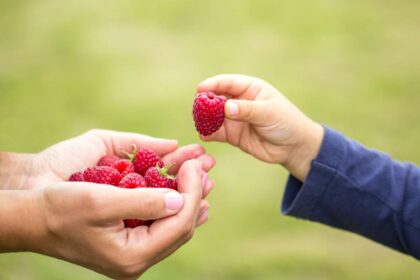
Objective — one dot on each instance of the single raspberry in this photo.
(124, 166)
(144, 159)
(208, 112)
(173, 184)
(109, 160)
(102, 175)
(132, 181)
(77, 177)
(158, 177)
(132, 223)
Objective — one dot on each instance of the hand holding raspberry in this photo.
(264, 123)
(82, 222)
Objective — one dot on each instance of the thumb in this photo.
(254, 112)
(141, 203)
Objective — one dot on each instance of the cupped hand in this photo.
(58, 162)
(264, 123)
(82, 223)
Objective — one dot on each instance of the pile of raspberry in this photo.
(143, 169)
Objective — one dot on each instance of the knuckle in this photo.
(93, 131)
(148, 205)
(249, 111)
(93, 203)
(124, 263)
(187, 231)
(90, 199)
(189, 236)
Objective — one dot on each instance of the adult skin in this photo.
(82, 222)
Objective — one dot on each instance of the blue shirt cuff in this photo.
(299, 198)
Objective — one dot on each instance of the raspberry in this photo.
(144, 159)
(109, 160)
(132, 181)
(77, 177)
(132, 223)
(102, 175)
(124, 166)
(208, 112)
(157, 177)
(173, 184)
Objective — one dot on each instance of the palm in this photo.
(58, 162)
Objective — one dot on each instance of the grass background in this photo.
(68, 66)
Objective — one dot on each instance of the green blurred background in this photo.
(68, 66)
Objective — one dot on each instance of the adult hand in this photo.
(58, 162)
(82, 222)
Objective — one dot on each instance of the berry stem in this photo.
(131, 156)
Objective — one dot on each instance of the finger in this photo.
(181, 155)
(208, 188)
(202, 219)
(207, 161)
(218, 136)
(232, 85)
(204, 207)
(142, 203)
(119, 142)
(179, 228)
(254, 112)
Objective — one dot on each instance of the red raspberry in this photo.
(132, 223)
(208, 112)
(77, 177)
(102, 175)
(146, 158)
(173, 184)
(124, 166)
(109, 160)
(132, 181)
(157, 177)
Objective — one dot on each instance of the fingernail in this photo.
(173, 200)
(204, 177)
(232, 108)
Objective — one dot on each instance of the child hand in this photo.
(264, 123)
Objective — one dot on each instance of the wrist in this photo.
(21, 224)
(14, 170)
(305, 151)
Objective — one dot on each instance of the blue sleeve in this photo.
(359, 190)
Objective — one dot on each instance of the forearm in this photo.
(360, 190)
(14, 170)
(20, 221)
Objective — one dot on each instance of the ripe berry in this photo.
(144, 159)
(132, 223)
(208, 112)
(132, 181)
(124, 166)
(173, 184)
(158, 177)
(109, 160)
(77, 177)
(102, 175)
